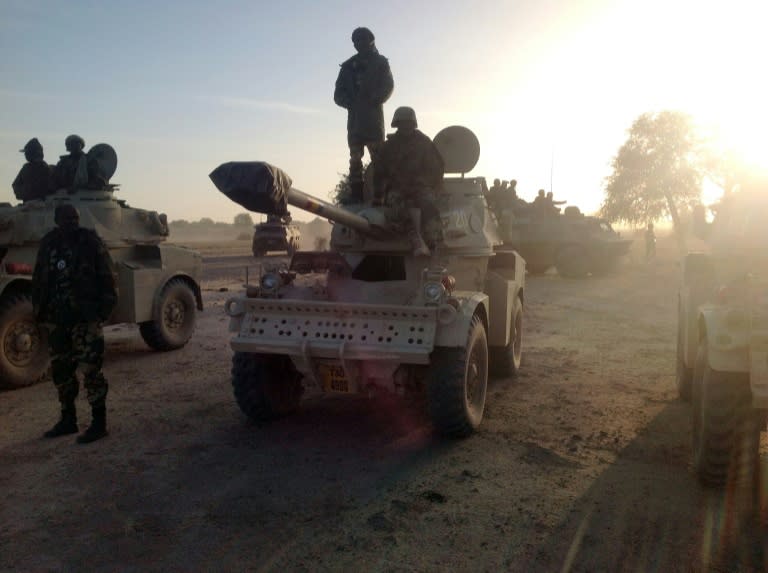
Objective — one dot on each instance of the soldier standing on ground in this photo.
(72, 170)
(650, 243)
(73, 293)
(363, 85)
(34, 180)
(407, 176)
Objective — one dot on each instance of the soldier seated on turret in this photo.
(408, 172)
(72, 170)
(34, 181)
(552, 207)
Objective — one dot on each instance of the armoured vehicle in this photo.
(575, 244)
(158, 284)
(722, 338)
(367, 315)
(276, 234)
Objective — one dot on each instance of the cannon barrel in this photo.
(264, 188)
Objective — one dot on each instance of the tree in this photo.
(342, 190)
(243, 220)
(656, 172)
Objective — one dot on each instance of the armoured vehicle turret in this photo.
(722, 337)
(575, 244)
(277, 233)
(368, 316)
(158, 284)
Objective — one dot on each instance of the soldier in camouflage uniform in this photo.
(34, 181)
(407, 175)
(72, 170)
(73, 293)
(363, 85)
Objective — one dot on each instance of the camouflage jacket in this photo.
(93, 292)
(408, 163)
(34, 181)
(363, 85)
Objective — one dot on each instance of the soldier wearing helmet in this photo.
(34, 180)
(363, 85)
(408, 173)
(72, 170)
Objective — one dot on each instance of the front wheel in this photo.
(505, 360)
(173, 317)
(457, 384)
(24, 352)
(683, 374)
(266, 386)
(726, 429)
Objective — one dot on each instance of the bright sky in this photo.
(550, 87)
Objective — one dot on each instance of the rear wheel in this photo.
(457, 385)
(505, 360)
(173, 317)
(726, 429)
(266, 386)
(24, 353)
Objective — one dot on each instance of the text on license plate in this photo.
(333, 378)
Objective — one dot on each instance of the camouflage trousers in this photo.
(431, 225)
(356, 152)
(74, 346)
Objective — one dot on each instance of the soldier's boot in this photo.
(66, 425)
(420, 248)
(98, 427)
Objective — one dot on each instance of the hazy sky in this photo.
(549, 86)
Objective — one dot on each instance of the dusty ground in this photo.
(582, 464)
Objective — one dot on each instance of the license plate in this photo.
(334, 379)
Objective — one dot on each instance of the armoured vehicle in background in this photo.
(158, 285)
(575, 244)
(277, 234)
(367, 315)
(722, 338)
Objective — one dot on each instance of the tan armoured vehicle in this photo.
(277, 233)
(368, 316)
(158, 284)
(722, 338)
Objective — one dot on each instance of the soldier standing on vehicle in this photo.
(73, 293)
(72, 170)
(407, 176)
(34, 180)
(363, 85)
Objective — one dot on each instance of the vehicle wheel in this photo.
(726, 429)
(173, 317)
(24, 356)
(457, 383)
(572, 262)
(505, 360)
(266, 386)
(684, 374)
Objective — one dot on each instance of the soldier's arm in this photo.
(38, 277)
(18, 185)
(106, 278)
(342, 94)
(385, 83)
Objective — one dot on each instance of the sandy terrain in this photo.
(581, 464)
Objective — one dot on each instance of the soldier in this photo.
(363, 85)
(540, 203)
(552, 205)
(407, 175)
(34, 180)
(72, 170)
(650, 243)
(73, 293)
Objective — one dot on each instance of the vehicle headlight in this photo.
(269, 282)
(433, 292)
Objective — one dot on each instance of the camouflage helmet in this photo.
(362, 35)
(73, 141)
(404, 113)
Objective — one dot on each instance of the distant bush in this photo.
(244, 236)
